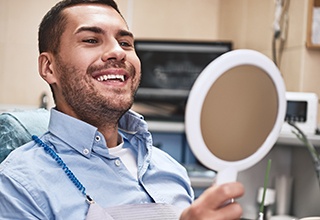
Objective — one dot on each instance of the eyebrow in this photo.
(93, 29)
(124, 33)
(99, 30)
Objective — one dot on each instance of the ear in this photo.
(45, 67)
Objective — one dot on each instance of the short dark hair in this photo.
(53, 23)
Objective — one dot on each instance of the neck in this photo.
(111, 136)
(108, 128)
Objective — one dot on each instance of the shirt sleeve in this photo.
(16, 201)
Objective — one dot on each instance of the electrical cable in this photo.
(280, 30)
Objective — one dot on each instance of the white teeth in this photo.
(110, 77)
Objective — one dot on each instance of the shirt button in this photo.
(117, 162)
(144, 202)
(85, 151)
(98, 138)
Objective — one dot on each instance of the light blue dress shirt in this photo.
(34, 186)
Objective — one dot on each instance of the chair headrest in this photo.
(17, 127)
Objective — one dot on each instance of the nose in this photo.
(113, 51)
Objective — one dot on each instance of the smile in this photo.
(111, 77)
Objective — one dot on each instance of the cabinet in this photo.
(172, 143)
(176, 145)
(313, 25)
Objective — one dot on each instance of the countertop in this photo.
(285, 138)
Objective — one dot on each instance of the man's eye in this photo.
(90, 41)
(125, 44)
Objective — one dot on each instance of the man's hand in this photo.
(210, 205)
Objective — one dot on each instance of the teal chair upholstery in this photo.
(17, 128)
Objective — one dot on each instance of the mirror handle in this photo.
(226, 175)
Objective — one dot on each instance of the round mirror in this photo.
(235, 111)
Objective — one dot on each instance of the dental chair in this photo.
(17, 127)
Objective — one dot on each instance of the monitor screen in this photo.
(296, 111)
(169, 69)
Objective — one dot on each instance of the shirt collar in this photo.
(81, 135)
(74, 132)
(132, 123)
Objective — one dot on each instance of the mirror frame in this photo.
(199, 92)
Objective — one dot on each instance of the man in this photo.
(95, 145)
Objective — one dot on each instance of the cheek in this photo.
(81, 61)
(137, 65)
(78, 57)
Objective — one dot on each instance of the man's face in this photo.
(97, 68)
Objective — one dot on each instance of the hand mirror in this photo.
(235, 111)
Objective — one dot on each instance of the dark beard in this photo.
(86, 101)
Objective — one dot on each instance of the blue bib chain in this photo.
(64, 167)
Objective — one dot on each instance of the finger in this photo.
(230, 211)
(197, 211)
(217, 195)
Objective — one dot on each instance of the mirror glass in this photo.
(239, 112)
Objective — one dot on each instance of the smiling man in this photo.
(95, 145)
(95, 71)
